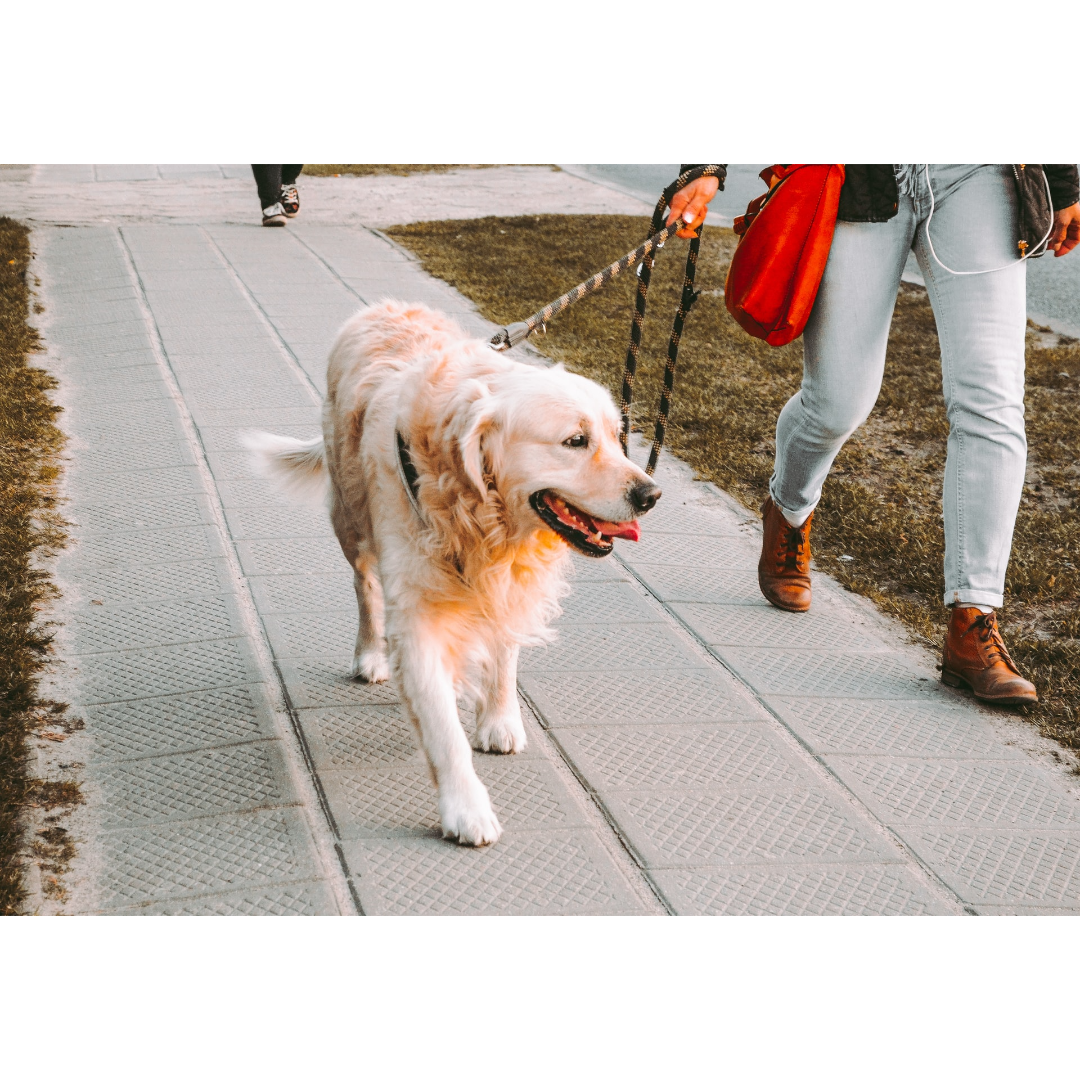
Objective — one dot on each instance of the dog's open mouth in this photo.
(589, 534)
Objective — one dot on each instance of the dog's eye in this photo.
(578, 441)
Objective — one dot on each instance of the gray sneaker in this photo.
(274, 216)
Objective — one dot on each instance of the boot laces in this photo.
(792, 543)
(990, 636)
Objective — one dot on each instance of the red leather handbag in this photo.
(784, 241)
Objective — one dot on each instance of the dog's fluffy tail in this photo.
(298, 465)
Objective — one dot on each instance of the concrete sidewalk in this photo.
(692, 750)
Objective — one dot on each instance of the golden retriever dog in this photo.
(459, 480)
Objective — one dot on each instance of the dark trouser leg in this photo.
(289, 173)
(268, 179)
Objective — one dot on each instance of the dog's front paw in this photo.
(469, 817)
(500, 734)
(371, 665)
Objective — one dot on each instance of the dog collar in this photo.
(410, 478)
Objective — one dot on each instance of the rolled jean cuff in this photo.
(974, 596)
(786, 510)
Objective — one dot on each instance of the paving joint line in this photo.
(612, 838)
(189, 819)
(289, 356)
(294, 365)
(937, 884)
(333, 270)
(597, 800)
(180, 898)
(109, 762)
(305, 777)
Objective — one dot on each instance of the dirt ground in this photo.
(30, 529)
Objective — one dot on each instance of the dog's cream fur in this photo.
(448, 596)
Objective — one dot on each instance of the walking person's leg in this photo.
(981, 320)
(268, 182)
(290, 196)
(843, 361)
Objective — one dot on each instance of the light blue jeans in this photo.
(981, 323)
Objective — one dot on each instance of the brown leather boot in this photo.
(784, 567)
(976, 657)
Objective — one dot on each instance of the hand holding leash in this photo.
(691, 204)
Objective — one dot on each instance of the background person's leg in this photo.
(268, 180)
(290, 196)
(843, 356)
(981, 322)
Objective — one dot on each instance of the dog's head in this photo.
(547, 442)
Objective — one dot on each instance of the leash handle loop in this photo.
(645, 255)
(685, 303)
(687, 299)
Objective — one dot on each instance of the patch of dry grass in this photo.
(29, 529)
(392, 170)
(882, 503)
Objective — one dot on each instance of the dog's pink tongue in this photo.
(623, 530)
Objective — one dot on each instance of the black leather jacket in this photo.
(870, 193)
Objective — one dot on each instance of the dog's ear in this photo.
(479, 420)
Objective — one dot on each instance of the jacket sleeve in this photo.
(1064, 182)
(683, 168)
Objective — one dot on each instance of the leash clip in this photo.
(509, 336)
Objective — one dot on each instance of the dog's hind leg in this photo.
(369, 657)
(427, 689)
(498, 720)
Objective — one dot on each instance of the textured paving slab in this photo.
(692, 750)
(826, 890)
(195, 788)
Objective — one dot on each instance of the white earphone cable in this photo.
(995, 269)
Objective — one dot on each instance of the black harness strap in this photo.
(410, 478)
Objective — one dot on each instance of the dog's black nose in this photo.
(644, 496)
